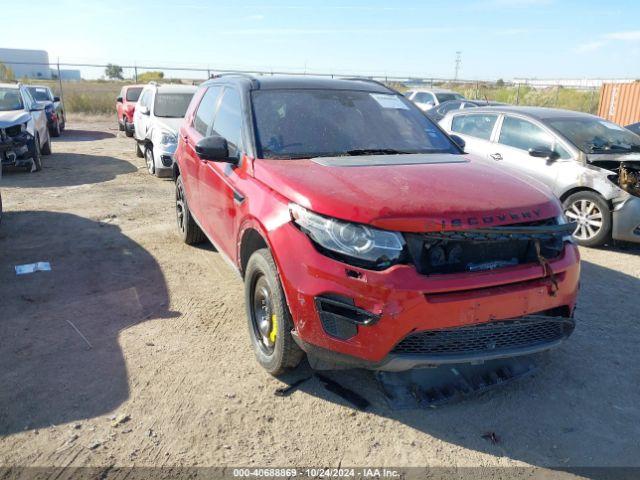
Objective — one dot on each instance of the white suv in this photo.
(426, 98)
(159, 113)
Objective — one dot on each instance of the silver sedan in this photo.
(590, 164)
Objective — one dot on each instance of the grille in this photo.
(487, 337)
(455, 252)
(13, 131)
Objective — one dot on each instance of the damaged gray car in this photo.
(592, 165)
(24, 136)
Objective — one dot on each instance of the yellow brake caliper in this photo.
(274, 328)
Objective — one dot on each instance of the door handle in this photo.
(496, 156)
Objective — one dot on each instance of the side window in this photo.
(475, 125)
(27, 99)
(144, 99)
(522, 134)
(206, 110)
(228, 122)
(424, 97)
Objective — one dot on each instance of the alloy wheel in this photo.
(588, 217)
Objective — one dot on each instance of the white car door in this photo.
(141, 114)
(476, 129)
(521, 143)
(39, 116)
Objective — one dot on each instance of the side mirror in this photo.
(57, 99)
(143, 110)
(118, 100)
(544, 152)
(215, 149)
(458, 141)
(37, 107)
(429, 105)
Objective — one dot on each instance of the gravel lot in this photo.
(170, 378)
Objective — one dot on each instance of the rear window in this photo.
(133, 94)
(172, 105)
(474, 125)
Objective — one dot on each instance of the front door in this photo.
(515, 138)
(218, 179)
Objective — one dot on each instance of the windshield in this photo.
(40, 94)
(444, 97)
(311, 123)
(10, 99)
(593, 135)
(172, 105)
(133, 94)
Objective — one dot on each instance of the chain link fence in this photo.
(93, 88)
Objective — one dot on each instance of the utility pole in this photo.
(458, 62)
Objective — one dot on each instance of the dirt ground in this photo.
(133, 350)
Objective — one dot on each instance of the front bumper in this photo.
(16, 151)
(626, 220)
(404, 302)
(164, 158)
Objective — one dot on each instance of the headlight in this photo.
(167, 138)
(377, 248)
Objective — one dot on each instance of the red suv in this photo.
(364, 234)
(126, 105)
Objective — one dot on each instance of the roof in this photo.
(539, 113)
(290, 82)
(176, 88)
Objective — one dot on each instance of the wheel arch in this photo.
(571, 191)
(251, 239)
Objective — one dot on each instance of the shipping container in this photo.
(620, 102)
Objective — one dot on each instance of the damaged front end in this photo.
(628, 177)
(16, 146)
(484, 249)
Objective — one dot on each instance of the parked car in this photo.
(125, 107)
(24, 136)
(364, 235)
(634, 127)
(438, 112)
(592, 165)
(426, 98)
(158, 115)
(53, 108)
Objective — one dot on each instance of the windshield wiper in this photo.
(613, 148)
(374, 151)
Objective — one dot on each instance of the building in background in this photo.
(26, 63)
(67, 74)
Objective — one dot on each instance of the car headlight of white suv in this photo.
(168, 138)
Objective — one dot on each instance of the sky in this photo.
(497, 38)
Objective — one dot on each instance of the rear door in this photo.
(516, 135)
(476, 129)
(192, 131)
(218, 179)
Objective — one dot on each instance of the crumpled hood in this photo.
(411, 195)
(13, 117)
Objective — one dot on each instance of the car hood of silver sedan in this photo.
(13, 117)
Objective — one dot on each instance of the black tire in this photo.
(121, 125)
(55, 130)
(63, 123)
(593, 215)
(36, 154)
(139, 152)
(268, 316)
(148, 158)
(46, 148)
(127, 131)
(187, 226)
